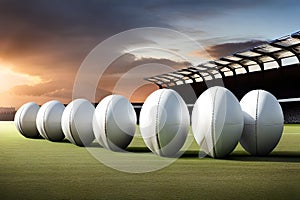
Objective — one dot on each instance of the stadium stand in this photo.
(291, 111)
(7, 113)
(273, 66)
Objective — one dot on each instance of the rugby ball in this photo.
(217, 122)
(76, 122)
(25, 120)
(164, 122)
(114, 122)
(263, 122)
(48, 121)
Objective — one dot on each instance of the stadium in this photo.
(34, 169)
(273, 67)
(55, 144)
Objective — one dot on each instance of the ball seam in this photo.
(44, 123)
(256, 116)
(156, 123)
(213, 124)
(70, 124)
(105, 123)
(19, 122)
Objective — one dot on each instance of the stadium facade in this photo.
(273, 66)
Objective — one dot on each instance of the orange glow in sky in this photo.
(43, 43)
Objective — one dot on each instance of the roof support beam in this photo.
(254, 59)
(271, 55)
(236, 62)
(227, 66)
(275, 50)
(290, 49)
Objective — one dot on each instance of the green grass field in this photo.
(39, 169)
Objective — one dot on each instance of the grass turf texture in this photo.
(39, 169)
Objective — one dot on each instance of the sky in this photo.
(43, 43)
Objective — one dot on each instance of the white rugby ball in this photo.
(48, 121)
(76, 122)
(114, 122)
(25, 120)
(164, 122)
(263, 122)
(217, 121)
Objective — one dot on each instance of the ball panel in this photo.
(228, 122)
(149, 121)
(227, 140)
(81, 126)
(207, 145)
(248, 139)
(269, 110)
(25, 120)
(262, 136)
(99, 121)
(114, 122)
(173, 123)
(148, 115)
(202, 120)
(123, 114)
(249, 107)
(217, 121)
(40, 121)
(17, 120)
(152, 144)
(268, 137)
(170, 145)
(49, 121)
(164, 122)
(28, 123)
(53, 121)
(66, 121)
(121, 123)
(77, 122)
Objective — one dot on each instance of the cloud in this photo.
(128, 61)
(43, 89)
(226, 49)
(33, 23)
(61, 87)
(40, 36)
(131, 71)
(11, 79)
(50, 39)
(68, 30)
(188, 15)
(199, 4)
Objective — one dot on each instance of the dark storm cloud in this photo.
(78, 16)
(72, 18)
(203, 8)
(70, 29)
(65, 31)
(32, 22)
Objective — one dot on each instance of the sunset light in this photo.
(12, 79)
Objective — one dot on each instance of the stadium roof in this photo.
(274, 54)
